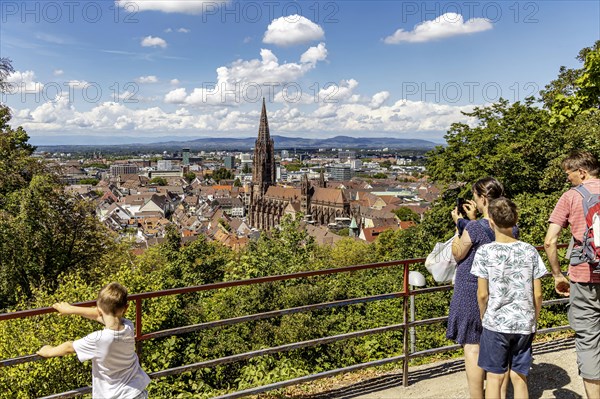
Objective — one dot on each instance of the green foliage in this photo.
(237, 183)
(189, 176)
(91, 181)
(380, 176)
(511, 142)
(385, 164)
(293, 166)
(406, 214)
(576, 92)
(96, 165)
(158, 181)
(222, 174)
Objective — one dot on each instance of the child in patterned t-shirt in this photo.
(509, 293)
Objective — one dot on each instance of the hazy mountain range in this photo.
(228, 143)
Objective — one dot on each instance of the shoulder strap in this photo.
(587, 197)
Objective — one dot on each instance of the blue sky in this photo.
(404, 69)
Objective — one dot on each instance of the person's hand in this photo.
(455, 215)
(470, 208)
(562, 285)
(63, 307)
(45, 351)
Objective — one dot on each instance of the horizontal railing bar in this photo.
(554, 329)
(224, 284)
(69, 394)
(20, 360)
(266, 315)
(433, 351)
(259, 316)
(277, 349)
(309, 378)
(556, 301)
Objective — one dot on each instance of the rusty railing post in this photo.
(406, 292)
(138, 328)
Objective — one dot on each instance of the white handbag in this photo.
(440, 262)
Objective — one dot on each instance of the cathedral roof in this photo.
(287, 193)
(328, 195)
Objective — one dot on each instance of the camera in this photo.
(460, 202)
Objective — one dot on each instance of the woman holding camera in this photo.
(464, 323)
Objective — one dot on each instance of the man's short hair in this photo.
(112, 298)
(581, 160)
(503, 212)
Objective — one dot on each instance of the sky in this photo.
(144, 70)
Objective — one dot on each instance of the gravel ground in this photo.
(553, 375)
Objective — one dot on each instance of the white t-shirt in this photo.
(116, 371)
(510, 269)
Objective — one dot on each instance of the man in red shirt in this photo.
(581, 168)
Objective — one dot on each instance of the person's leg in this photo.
(475, 374)
(493, 385)
(505, 383)
(519, 382)
(584, 317)
(592, 388)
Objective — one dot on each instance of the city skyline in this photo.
(152, 69)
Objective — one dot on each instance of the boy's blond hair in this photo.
(112, 298)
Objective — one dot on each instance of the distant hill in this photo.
(245, 144)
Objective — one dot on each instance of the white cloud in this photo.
(176, 96)
(248, 80)
(193, 7)
(292, 30)
(24, 82)
(379, 98)
(147, 79)
(77, 84)
(314, 54)
(150, 41)
(168, 30)
(58, 72)
(183, 30)
(247, 39)
(446, 25)
(174, 82)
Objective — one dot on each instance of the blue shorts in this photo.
(500, 351)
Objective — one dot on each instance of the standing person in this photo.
(464, 323)
(581, 168)
(510, 299)
(116, 371)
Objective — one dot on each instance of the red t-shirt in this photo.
(569, 212)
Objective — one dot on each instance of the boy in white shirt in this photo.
(509, 293)
(116, 371)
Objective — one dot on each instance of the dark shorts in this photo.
(500, 351)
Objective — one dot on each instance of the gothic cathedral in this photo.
(269, 203)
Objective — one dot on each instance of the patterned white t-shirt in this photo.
(510, 269)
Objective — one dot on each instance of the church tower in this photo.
(263, 174)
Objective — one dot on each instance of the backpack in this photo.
(589, 252)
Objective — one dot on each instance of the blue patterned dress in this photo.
(464, 323)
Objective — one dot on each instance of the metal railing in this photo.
(405, 294)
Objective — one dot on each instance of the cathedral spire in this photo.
(263, 130)
(264, 155)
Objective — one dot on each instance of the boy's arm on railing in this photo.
(88, 313)
(63, 349)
